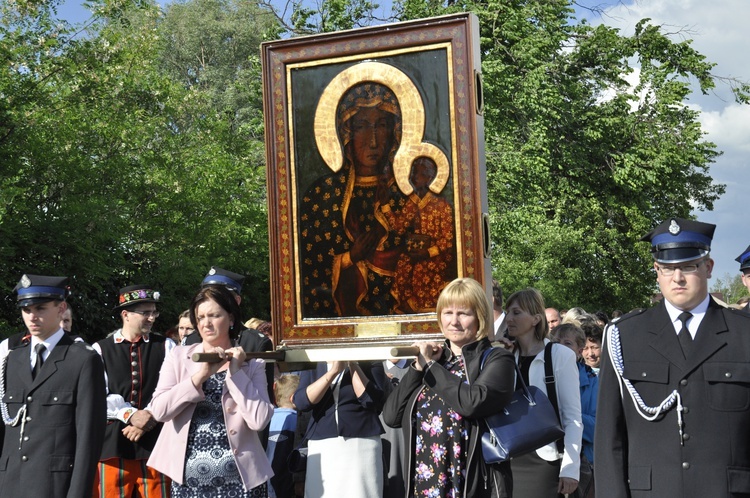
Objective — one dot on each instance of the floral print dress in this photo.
(441, 444)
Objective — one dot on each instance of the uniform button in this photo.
(28, 419)
(685, 409)
(134, 363)
(133, 354)
(135, 382)
(728, 375)
(135, 374)
(26, 438)
(686, 436)
(683, 382)
(54, 399)
(685, 465)
(644, 374)
(24, 458)
(135, 393)
(29, 399)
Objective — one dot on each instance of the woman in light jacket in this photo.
(441, 401)
(545, 473)
(213, 412)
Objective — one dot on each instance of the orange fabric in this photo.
(129, 479)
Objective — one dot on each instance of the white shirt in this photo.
(694, 322)
(49, 344)
(499, 322)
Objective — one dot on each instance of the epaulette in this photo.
(628, 315)
(84, 345)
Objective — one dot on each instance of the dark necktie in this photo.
(39, 350)
(686, 340)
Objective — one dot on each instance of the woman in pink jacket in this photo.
(213, 412)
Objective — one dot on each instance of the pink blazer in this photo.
(247, 410)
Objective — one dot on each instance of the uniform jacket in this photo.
(64, 430)
(637, 458)
(247, 410)
(484, 394)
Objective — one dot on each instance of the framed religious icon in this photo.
(376, 179)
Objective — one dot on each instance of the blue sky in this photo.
(717, 29)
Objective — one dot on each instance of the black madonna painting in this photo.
(371, 172)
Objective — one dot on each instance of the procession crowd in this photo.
(639, 397)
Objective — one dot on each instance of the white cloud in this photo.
(717, 29)
(728, 128)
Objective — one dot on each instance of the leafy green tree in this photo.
(121, 172)
(730, 287)
(580, 163)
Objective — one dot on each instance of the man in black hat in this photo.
(53, 401)
(132, 360)
(673, 415)
(744, 261)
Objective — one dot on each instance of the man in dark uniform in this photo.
(251, 340)
(744, 261)
(132, 360)
(53, 401)
(673, 415)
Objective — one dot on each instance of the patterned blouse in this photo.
(442, 442)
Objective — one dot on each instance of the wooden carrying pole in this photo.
(353, 353)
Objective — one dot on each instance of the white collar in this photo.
(49, 343)
(698, 313)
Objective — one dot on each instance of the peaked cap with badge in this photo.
(136, 294)
(744, 259)
(34, 289)
(678, 240)
(219, 276)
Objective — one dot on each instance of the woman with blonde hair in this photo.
(441, 401)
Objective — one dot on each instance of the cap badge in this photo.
(674, 228)
(212, 271)
(25, 282)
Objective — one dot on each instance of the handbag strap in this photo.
(519, 377)
(549, 380)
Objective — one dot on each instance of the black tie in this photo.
(686, 340)
(39, 349)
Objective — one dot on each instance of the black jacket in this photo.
(64, 429)
(486, 393)
(644, 459)
(357, 417)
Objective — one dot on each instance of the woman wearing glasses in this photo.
(213, 412)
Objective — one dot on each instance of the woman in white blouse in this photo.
(546, 472)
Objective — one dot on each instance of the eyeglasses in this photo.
(147, 314)
(668, 271)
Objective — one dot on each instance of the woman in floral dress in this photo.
(440, 402)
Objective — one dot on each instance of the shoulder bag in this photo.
(528, 422)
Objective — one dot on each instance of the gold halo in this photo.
(412, 122)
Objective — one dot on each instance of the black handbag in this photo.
(528, 422)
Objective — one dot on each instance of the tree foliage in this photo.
(730, 287)
(580, 162)
(131, 146)
(122, 170)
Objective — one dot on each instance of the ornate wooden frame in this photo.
(435, 59)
